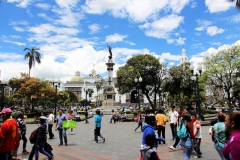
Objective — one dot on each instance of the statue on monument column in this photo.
(110, 52)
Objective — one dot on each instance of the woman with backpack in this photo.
(41, 139)
(188, 141)
(219, 135)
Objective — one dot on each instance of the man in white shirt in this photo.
(50, 124)
(172, 120)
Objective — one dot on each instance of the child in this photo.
(149, 152)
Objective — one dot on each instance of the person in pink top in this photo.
(232, 147)
(69, 115)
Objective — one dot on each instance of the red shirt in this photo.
(8, 134)
(190, 129)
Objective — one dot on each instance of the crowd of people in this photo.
(225, 133)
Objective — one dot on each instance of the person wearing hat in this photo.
(172, 120)
(41, 139)
(58, 126)
(8, 134)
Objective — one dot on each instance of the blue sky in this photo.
(73, 35)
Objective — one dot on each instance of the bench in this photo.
(130, 117)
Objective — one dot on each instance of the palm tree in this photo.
(32, 55)
(98, 85)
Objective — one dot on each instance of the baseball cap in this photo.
(6, 111)
(43, 117)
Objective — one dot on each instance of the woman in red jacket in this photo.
(190, 141)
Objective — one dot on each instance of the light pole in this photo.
(160, 89)
(138, 81)
(2, 86)
(56, 85)
(197, 103)
(86, 91)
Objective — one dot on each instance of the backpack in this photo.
(33, 136)
(182, 131)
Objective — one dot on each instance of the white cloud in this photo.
(21, 3)
(169, 56)
(218, 5)
(213, 30)
(180, 41)
(13, 42)
(44, 6)
(94, 28)
(215, 43)
(235, 18)
(135, 11)
(200, 29)
(163, 27)
(14, 23)
(18, 29)
(115, 38)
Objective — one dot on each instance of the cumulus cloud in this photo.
(115, 38)
(218, 5)
(213, 30)
(94, 28)
(18, 29)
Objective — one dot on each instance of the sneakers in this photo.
(178, 146)
(194, 156)
(72, 133)
(25, 152)
(172, 148)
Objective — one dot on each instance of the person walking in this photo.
(139, 120)
(8, 134)
(161, 122)
(69, 115)
(219, 135)
(172, 120)
(22, 127)
(197, 133)
(86, 116)
(232, 147)
(97, 120)
(50, 124)
(190, 141)
(58, 126)
(41, 139)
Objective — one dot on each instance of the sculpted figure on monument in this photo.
(110, 52)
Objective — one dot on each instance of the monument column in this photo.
(110, 93)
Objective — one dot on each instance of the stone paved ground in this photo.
(122, 143)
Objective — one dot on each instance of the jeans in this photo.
(97, 133)
(174, 130)
(86, 120)
(176, 142)
(30, 157)
(24, 141)
(41, 150)
(219, 152)
(161, 131)
(5, 156)
(51, 135)
(187, 153)
(62, 133)
(139, 125)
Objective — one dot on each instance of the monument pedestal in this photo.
(109, 99)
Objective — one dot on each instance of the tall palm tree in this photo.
(33, 55)
(98, 85)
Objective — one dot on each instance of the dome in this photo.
(77, 77)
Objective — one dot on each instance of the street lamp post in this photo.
(56, 85)
(2, 86)
(197, 103)
(138, 81)
(160, 89)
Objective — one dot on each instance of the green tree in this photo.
(99, 86)
(222, 69)
(32, 55)
(179, 85)
(149, 68)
